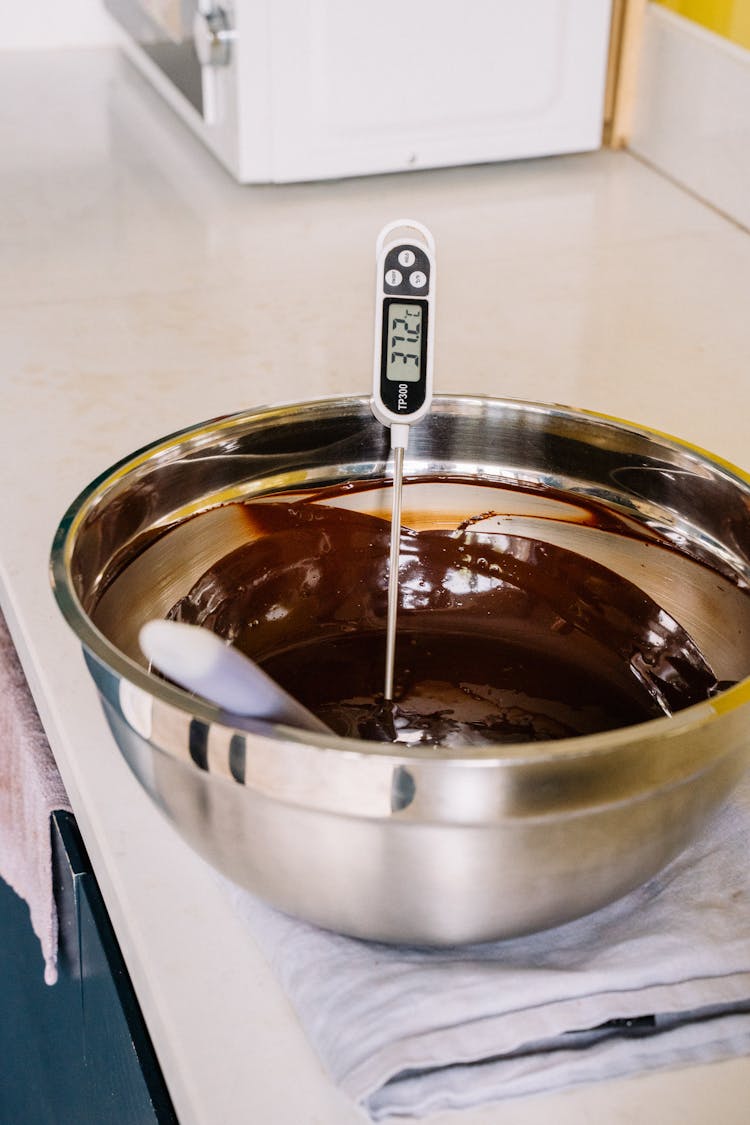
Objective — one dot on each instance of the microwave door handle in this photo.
(212, 36)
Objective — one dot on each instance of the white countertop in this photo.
(140, 292)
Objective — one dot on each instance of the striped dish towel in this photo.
(30, 789)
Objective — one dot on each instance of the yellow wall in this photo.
(730, 18)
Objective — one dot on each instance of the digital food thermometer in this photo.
(402, 372)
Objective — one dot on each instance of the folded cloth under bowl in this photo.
(30, 789)
(659, 979)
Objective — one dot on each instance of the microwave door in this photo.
(164, 30)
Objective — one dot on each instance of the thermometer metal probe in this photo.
(402, 371)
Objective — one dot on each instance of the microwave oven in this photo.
(285, 90)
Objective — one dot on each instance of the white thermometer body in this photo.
(402, 371)
(404, 323)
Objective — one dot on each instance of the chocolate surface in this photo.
(501, 638)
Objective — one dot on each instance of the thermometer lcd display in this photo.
(403, 342)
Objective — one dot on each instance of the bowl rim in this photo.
(580, 746)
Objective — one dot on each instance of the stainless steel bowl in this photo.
(424, 846)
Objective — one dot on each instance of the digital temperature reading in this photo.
(404, 343)
(404, 324)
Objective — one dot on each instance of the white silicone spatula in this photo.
(198, 660)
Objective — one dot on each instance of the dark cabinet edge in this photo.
(74, 879)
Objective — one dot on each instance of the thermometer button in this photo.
(393, 277)
(407, 258)
(417, 279)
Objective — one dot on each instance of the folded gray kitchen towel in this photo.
(30, 789)
(660, 978)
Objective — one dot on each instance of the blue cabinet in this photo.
(78, 1051)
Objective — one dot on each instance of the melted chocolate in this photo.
(501, 638)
